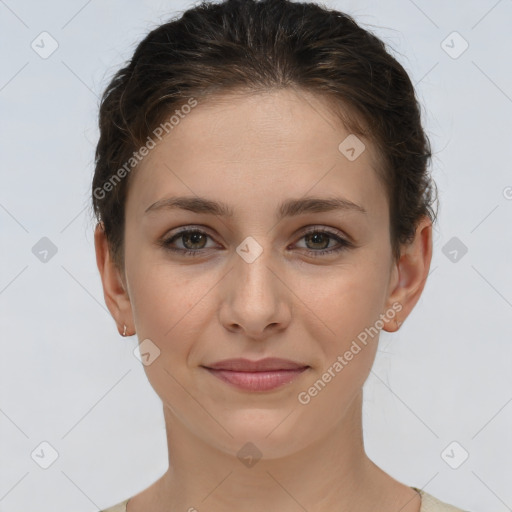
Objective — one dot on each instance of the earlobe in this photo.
(412, 268)
(114, 289)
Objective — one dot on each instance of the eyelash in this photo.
(344, 244)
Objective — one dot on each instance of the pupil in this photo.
(317, 238)
(195, 237)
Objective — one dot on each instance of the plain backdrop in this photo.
(74, 396)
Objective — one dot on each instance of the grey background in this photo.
(68, 379)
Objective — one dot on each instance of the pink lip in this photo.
(262, 375)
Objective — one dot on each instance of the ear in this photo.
(114, 285)
(409, 275)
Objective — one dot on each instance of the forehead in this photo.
(257, 148)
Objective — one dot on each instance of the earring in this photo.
(124, 331)
(397, 323)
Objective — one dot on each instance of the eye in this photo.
(320, 238)
(194, 242)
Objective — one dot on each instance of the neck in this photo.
(330, 474)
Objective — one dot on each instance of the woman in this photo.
(264, 211)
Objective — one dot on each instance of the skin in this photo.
(253, 152)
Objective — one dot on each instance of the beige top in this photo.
(428, 504)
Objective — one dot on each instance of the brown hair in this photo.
(237, 45)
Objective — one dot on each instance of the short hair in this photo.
(255, 46)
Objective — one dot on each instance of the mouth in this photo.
(263, 375)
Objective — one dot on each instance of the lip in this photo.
(263, 375)
(262, 365)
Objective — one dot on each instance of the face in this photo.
(301, 283)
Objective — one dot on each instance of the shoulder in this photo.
(428, 504)
(431, 504)
(120, 507)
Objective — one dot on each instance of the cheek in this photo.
(344, 300)
(164, 301)
(347, 306)
(168, 300)
(167, 310)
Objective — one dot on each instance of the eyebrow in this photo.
(288, 208)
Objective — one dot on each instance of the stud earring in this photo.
(124, 331)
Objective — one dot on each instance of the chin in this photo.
(263, 434)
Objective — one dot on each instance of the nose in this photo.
(256, 299)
